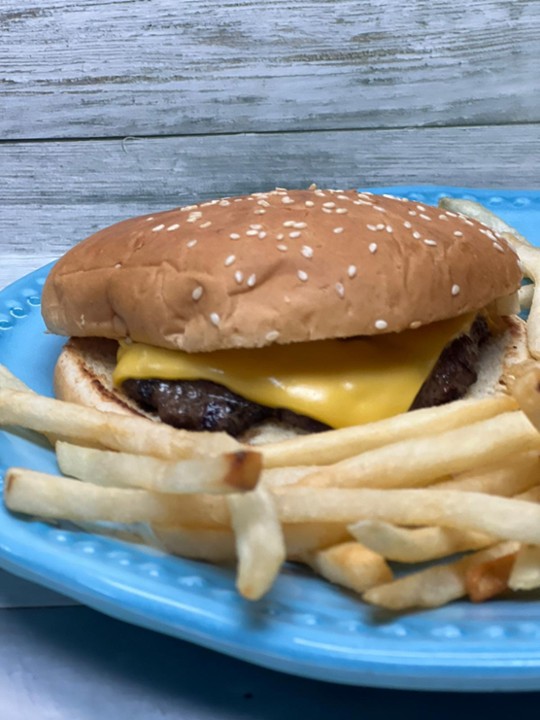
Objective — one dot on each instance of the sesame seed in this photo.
(373, 248)
(341, 211)
(329, 204)
(319, 193)
(289, 223)
(389, 229)
(224, 203)
(282, 248)
(338, 230)
(451, 214)
(264, 203)
(381, 226)
(149, 219)
(417, 235)
(390, 197)
(260, 211)
(364, 202)
(300, 225)
(197, 293)
(307, 251)
(214, 319)
(295, 234)
(173, 227)
(158, 228)
(252, 279)
(187, 208)
(425, 217)
(118, 266)
(421, 208)
(343, 197)
(340, 289)
(381, 324)
(262, 235)
(191, 243)
(229, 261)
(415, 324)
(287, 200)
(256, 227)
(309, 203)
(443, 217)
(412, 212)
(351, 271)
(234, 236)
(302, 275)
(281, 189)
(468, 222)
(205, 224)
(407, 224)
(251, 233)
(379, 208)
(498, 247)
(280, 236)
(238, 199)
(458, 233)
(455, 290)
(239, 276)
(328, 211)
(373, 228)
(430, 242)
(194, 216)
(272, 335)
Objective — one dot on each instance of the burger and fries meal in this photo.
(326, 377)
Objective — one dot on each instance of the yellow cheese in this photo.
(339, 382)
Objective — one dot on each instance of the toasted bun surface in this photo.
(84, 369)
(277, 267)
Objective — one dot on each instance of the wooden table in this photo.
(118, 107)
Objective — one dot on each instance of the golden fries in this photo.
(525, 572)
(489, 578)
(221, 474)
(117, 432)
(259, 541)
(335, 445)
(420, 461)
(351, 565)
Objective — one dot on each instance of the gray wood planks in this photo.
(55, 193)
(130, 67)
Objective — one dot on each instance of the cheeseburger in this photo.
(284, 312)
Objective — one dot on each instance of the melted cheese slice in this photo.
(339, 382)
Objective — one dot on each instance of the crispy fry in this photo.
(210, 544)
(504, 518)
(259, 541)
(8, 381)
(525, 573)
(489, 578)
(301, 538)
(117, 432)
(420, 461)
(221, 474)
(51, 496)
(515, 475)
(526, 390)
(351, 565)
(414, 545)
(435, 586)
(335, 445)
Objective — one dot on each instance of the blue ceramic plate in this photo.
(304, 626)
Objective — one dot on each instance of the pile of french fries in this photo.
(457, 484)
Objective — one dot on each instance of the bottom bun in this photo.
(83, 375)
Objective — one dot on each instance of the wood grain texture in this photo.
(56, 193)
(131, 67)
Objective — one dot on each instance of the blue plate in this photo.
(304, 626)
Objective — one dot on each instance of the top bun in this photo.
(282, 266)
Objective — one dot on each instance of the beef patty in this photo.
(205, 405)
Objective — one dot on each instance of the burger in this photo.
(285, 312)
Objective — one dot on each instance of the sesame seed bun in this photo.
(283, 266)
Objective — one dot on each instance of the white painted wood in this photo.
(73, 68)
(55, 194)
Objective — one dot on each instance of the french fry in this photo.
(525, 296)
(504, 518)
(420, 461)
(435, 586)
(259, 541)
(414, 545)
(526, 390)
(230, 472)
(114, 431)
(525, 574)
(302, 538)
(350, 565)
(488, 579)
(335, 445)
(529, 258)
(211, 544)
(515, 475)
(52, 496)
(8, 381)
